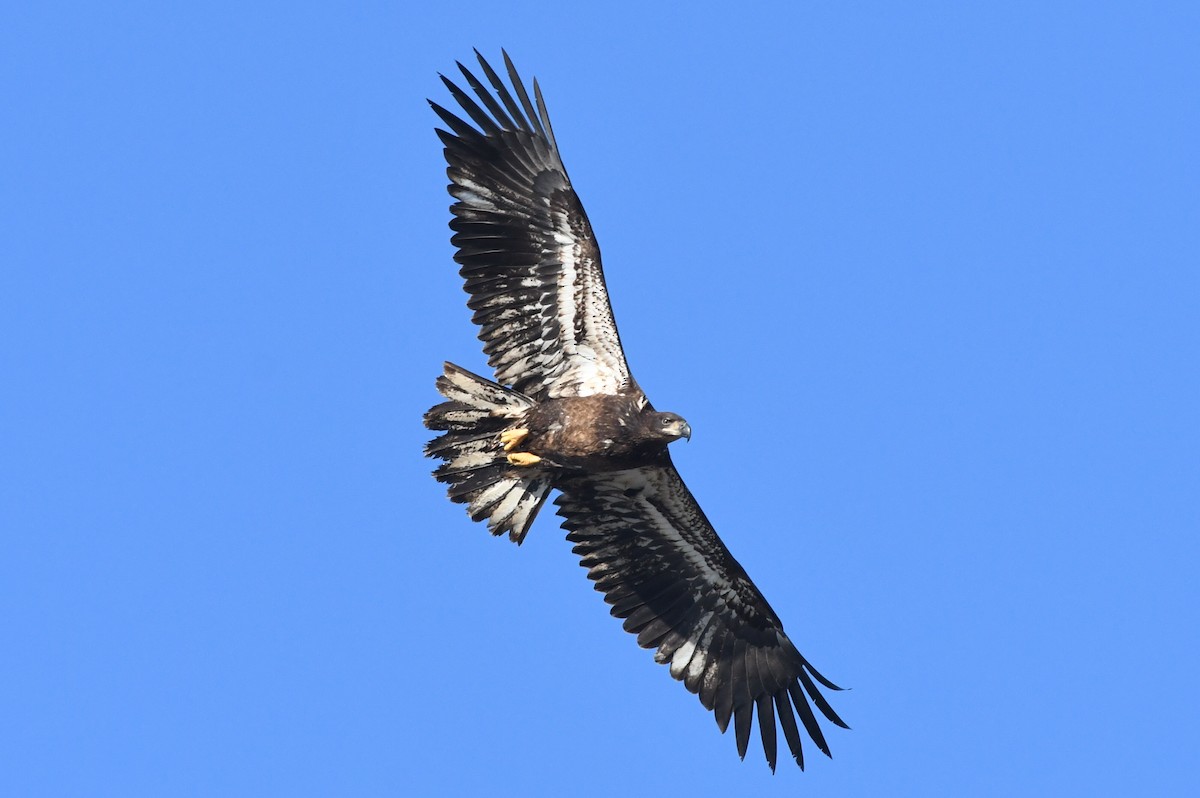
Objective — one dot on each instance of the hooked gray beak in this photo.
(686, 432)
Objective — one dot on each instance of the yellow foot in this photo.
(524, 459)
(511, 437)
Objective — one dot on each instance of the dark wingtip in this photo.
(816, 674)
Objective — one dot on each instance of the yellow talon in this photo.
(524, 459)
(511, 437)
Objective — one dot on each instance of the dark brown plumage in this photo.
(565, 414)
(598, 433)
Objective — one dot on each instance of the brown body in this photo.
(599, 433)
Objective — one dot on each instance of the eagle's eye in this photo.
(666, 422)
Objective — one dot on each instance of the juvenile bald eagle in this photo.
(573, 419)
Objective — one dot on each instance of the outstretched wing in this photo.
(658, 561)
(528, 256)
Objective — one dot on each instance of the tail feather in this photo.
(474, 463)
(461, 386)
(457, 416)
(462, 457)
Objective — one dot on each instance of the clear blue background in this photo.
(923, 277)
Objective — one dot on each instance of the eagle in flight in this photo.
(565, 414)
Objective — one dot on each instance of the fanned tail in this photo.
(474, 464)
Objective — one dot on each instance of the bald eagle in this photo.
(564, 413)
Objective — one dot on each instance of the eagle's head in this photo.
(668, 427)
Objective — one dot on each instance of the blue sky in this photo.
(923, 277)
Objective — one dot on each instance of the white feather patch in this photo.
(683, 655)
(492, 493)
(507, 505)
(696, 666)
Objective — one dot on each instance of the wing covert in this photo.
(649, 548)
(526, 250)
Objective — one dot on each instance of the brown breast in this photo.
(597, 432)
